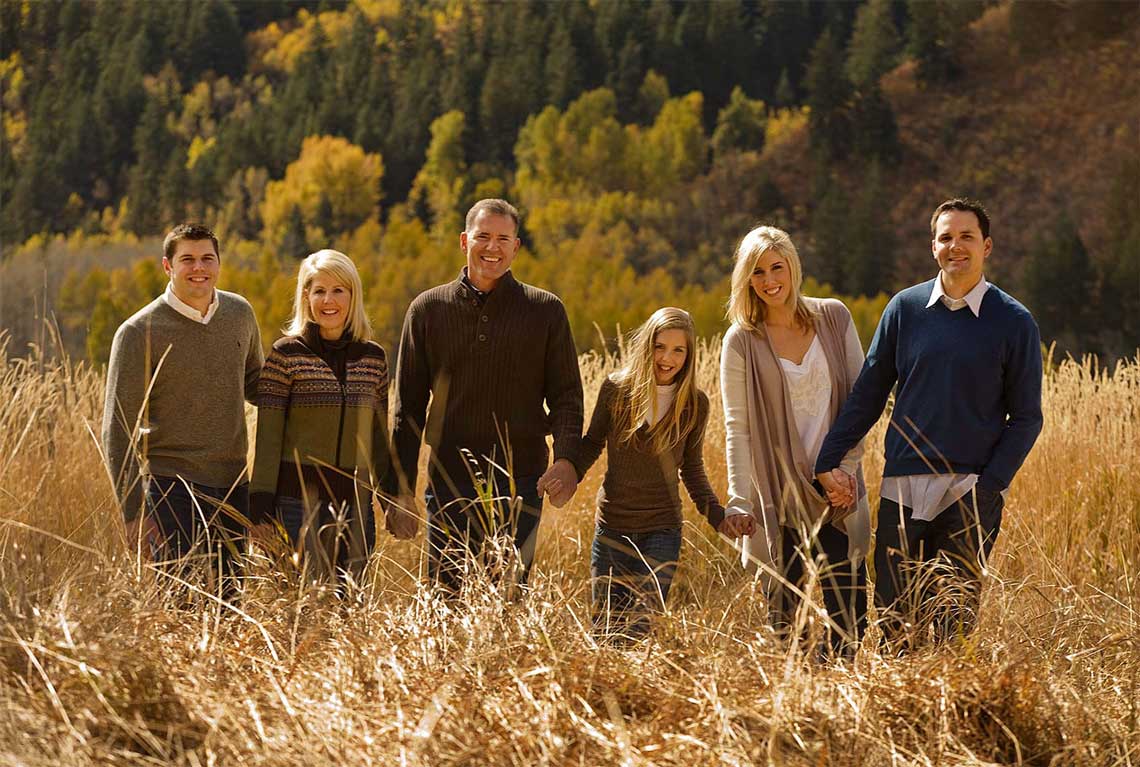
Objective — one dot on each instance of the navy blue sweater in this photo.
(969, 389)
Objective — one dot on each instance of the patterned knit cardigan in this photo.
(314, 433)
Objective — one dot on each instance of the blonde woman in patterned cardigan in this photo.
(787, 365)
(322, 422)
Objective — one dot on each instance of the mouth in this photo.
(773, 291)
(330, 312)
(198, 280)
(490, 259)
(666, 369)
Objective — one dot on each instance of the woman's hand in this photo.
(737, 525)
(840, 488)
(402, 518)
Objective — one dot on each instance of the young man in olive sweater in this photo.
(493, 355)
(966, 358)
(174, 432)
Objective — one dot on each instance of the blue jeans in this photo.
(334, 540)
(630, 576)
(458, 528)
(198, 523)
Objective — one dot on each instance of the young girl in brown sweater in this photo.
(650, 416)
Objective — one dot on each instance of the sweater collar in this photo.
(311, 336)
(464, 289)
(973, 299)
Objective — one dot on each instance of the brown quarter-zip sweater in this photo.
(491, 369)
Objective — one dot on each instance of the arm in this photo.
(594, 442)
(274, 388)
(413, 388)
(1021, 383)
(693, 470)
(254, 359)
(381, 439)
(122, 417)
(868, 397)
(563, 388)
(738, 444)
(854, 358)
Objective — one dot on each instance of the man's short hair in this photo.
(494, 206)
(188, 231)
(963, 204)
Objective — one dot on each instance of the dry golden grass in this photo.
(101, 664)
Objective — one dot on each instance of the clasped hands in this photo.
(842, 492)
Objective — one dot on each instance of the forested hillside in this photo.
(641, 140)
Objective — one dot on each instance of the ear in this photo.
(987, 246)
(166, 266)
(463, 241)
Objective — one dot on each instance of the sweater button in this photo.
(482, 337)
(485, 318)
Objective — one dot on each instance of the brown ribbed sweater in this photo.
(488, 368)
(640, 491)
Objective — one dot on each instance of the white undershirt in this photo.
(809, 387)
(665, 396)
(188, 311)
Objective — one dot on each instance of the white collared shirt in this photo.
(928, 495)
(188, 311)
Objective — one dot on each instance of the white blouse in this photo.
(809, 387)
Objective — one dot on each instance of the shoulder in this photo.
(542, 300)
(291, 346)
(831, 307)
(1007, 304)
(136, 324)
(914, 295)
(235, 301)
(371, 349)
(702, 404)
(440, 295)
(735, 336)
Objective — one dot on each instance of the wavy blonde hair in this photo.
(637, 385)
(339, 267)
(747, 309)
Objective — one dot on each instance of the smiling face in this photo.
(193, 272)
(772, 280)
(670, 350)
(960, 250)
(490, 245)
(329, 302)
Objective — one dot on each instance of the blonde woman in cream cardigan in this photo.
(787, 365)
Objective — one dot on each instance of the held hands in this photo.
(560, 482)
(146, 526)
(737, 526)
(841, 492)
(402, 518)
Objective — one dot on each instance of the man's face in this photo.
(490, 244)
(193, 271)
(959, 247)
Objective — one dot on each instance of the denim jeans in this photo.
(931, 570)
(198, 525)
(843, 583)
(630, 576)
(459, 528)
(335, 541)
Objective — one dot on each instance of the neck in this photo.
(956, 288)
(780, 316)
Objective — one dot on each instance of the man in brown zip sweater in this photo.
(493, 355)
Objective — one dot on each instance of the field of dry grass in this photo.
(100, 662)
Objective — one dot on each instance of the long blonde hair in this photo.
(637, 385)
(340, 267)
(745, 308)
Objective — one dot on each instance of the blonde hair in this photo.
(637, 385)
(339, 267)
(747, 309)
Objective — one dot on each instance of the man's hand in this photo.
(840, 488)
(737, 525)
(402, 519)
(146, 526)
(560, 482)
(264, 535)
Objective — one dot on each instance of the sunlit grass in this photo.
(106, 662)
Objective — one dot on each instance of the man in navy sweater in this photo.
(966, 358)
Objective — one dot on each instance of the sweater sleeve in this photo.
(563, 387)
(413, 388)
(274, 387)
(381, 439)
(693, 470)
(1021, 394)
(868, 396)
(591, 445)
(854, 355)
(738, 443)
(126, 390)
(254, 360)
